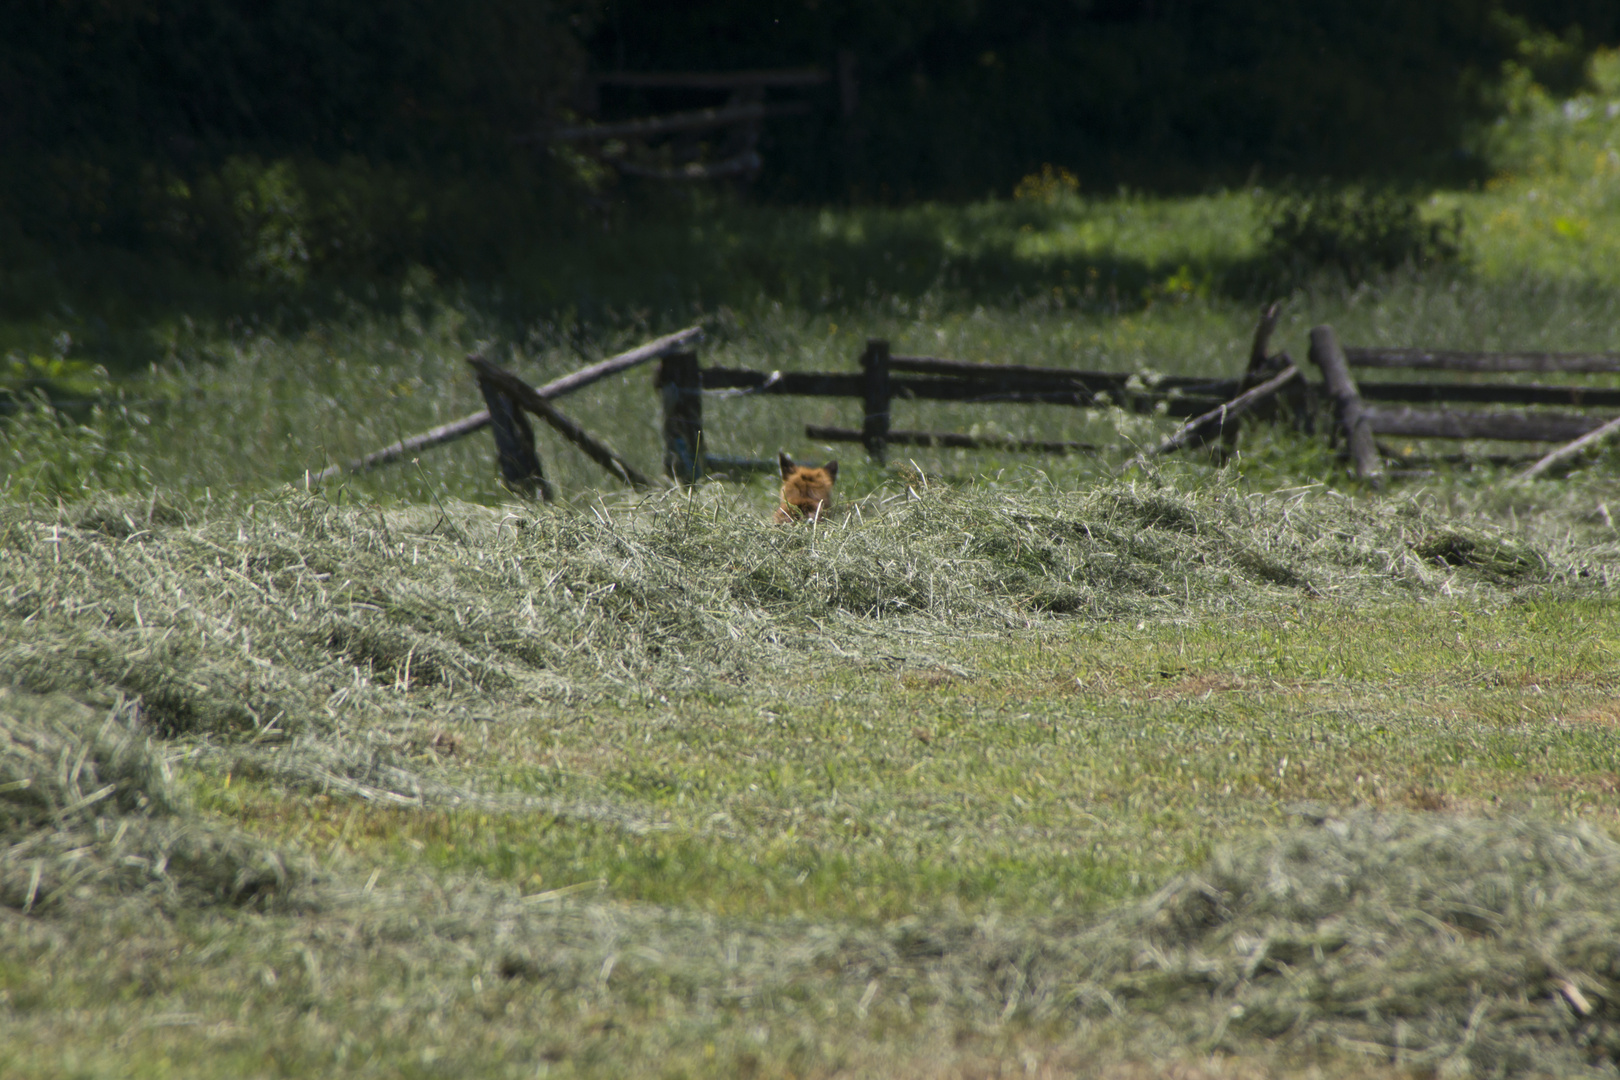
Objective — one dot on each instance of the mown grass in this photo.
(1078, 771)
(851, 799)
(1008, 767)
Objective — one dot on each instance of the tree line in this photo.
(209, 125)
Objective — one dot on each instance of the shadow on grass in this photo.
(125, 309)
(1107, 257)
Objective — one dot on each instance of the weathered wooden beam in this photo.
(878, 395)
(1205, 427)
(787, 383)
(477, 421)
(714, 80)
(1516, 426)
(1269, 316)
(1493, 393)
(444, 433)
(1083, 389)
(1026, 379)
(680, 385)
(934, 365)
(515, 454)
(529, 398)
(950, 441)
(652, 350)
(746, 162)
(670, 123)
(1569, 450)
(1261, 366)
(1352, 414)
(1455, 360)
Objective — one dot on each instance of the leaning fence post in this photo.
(680, 382)
(875, 428)
(1352, 414)
(514, 445)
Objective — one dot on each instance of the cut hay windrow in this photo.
(88, 810)
(294, 614)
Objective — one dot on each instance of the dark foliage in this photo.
(200, 124)
(1355, 231)
(963, 98)
(348, 138)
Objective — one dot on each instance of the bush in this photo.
(1356, 232)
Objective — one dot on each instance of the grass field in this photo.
(1011, 767)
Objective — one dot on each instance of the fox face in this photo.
(806, 492)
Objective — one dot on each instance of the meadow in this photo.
(1013, 766)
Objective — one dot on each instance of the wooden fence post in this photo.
(680, 383)
(875, 428)
(514, 445)
(1352, 414)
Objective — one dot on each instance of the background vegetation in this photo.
(345, 141)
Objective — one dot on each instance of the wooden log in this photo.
(477, 421)
(934, 365)
(680, 385)
(1025, 379)
(1326, 354)
(652, 350)
(1205, 427)
(746, 162)
(514, 445)
(1258, 358)
(1186, 396)
(529, 398)
(1508, 426)
(720, 463)
(1261, 366)
(950, 441)
(456, 429)
(1570, 449)
(1493, 393)
(1454, 360)
(878, 398)
(669, 124)
(714, 80)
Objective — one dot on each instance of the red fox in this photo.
(806, 492)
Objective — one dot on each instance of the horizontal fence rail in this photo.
(1484, 362)
(1360, 421)
(1493, 394)
(1517, 426)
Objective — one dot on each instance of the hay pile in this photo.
(87, 808)
(1465, 946)
(314, 637)
(1450, 946)
(1444, 946)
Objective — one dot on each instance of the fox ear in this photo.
(832, 469)
(786, 464)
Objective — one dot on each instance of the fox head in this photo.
(806, 492)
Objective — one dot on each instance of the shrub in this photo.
(1356, 232)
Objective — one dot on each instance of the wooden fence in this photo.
(885, 378)
(1570, 412)
(629, 145)
(1558, 413)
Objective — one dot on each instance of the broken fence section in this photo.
(1574, 413)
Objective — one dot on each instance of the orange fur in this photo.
(806, 492)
